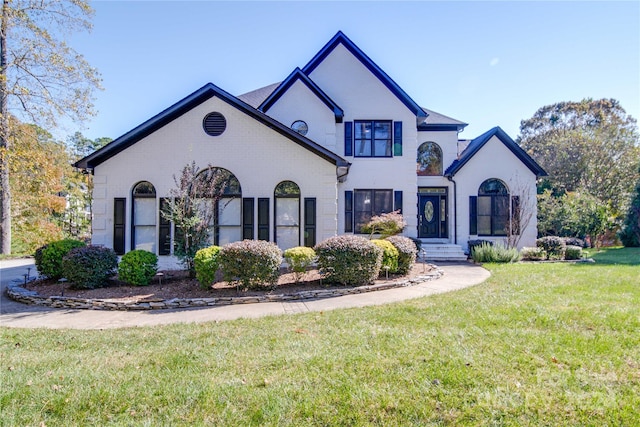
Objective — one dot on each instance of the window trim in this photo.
(372, 140)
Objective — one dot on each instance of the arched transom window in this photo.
(429, 161)
(493, 208)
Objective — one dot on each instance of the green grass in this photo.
(617, 255)
(537, 344)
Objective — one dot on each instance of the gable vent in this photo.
(214, 124)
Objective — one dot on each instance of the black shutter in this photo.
(310, 222)
(247, 218)
(263, 219)
(348, 211)
(473, 215)
(119, 220)
(397, 138)
(397, 201)
(348, 138)
(164, 230)
(515, 215)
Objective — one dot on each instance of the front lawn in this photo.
(537, 344)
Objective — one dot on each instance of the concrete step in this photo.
(443, 252)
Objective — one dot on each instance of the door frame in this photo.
(442, 214)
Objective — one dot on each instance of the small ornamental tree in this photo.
(387, 224)
(195, 198)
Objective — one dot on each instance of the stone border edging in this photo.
(20, 294)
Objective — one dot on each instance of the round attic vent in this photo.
(214, 124)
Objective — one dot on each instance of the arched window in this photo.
(429, 162)
(493, 208)
(143, 235)
(226, 220)
(287, 214)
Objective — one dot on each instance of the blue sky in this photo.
(485, 63)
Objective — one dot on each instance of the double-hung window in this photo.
(369, 203)
(373, 138)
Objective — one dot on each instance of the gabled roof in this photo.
(183, 106)
(298, 75)
(479, 142)
(440, 122)
(340, 38)
(255, 97)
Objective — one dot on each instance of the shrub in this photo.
(251, 262)
(387, 224)
(90, 266)
(207, 262)
(494, 253)
(572, 252)
(478, 242)
(407, 252)
(48, 258)
(138, 267)
(389, 254)
(299, 260)
(349, 260)
(533, 254)
(574, 241)
(554, 246)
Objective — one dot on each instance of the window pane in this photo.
(382, 147)
(363, 130)
(429, 161)
(363, 201)
(383, 202)
(145, 238)
(363, 147)
(229, 211)
(287, 237)
(229, 235)
(287, 211)
(484, 225)
(144, 211)
(382, 130)
(484, 205)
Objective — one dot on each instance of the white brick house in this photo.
(348, 140)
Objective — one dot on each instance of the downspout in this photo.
(455, 210)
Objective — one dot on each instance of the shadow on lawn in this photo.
(617, 255)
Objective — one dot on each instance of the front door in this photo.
(432, 221)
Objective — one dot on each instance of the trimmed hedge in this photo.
(206, 263)
(349, 260)
(253, 263)
(533, 254)
(572, 252)
(90, 266)
(49, 257)
(138, 267)
(407, 252)
(299, 259)
(554, 246)
(389, 254)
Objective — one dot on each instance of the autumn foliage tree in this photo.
(41, 78)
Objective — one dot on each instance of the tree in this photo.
(38, 166)
(630, 234)
(196, 197)
(588, 146)
(41, 78)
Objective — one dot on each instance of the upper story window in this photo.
(373, 138)
(429, 162)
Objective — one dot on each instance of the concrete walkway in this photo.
(12, 314)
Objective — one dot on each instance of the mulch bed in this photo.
(177, 284)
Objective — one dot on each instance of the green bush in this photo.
(533, 254)
(494, 253)
(299, 259)
(572, 252)
(207, 262)
(48, 258)
(574, 241)
(349, 260)
(90, 266)
(138, 267)
(554, 246)
(253, 263)
(407, 252)
(389, 255)
(387, 224)
(478, 242)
